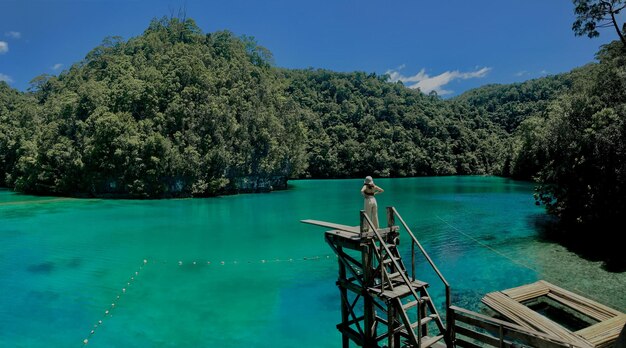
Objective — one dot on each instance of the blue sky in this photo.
(448, 46)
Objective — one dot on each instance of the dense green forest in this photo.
(179, 112)
(568, 133)
(176, 112)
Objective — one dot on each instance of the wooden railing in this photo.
(392, 213)
(473, 330)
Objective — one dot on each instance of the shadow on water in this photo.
(579, 241)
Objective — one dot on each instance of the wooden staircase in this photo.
(383, 305)
(411, 307)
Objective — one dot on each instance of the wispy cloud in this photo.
(521, 73)
(427, 83)
(544, 72)
(4, 47)
(57, 66)
(13, 34)
(5, 78)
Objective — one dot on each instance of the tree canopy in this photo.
(592, 15)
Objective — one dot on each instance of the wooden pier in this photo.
(384, 305)
(509, 303)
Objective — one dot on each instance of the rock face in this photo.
(259, 184)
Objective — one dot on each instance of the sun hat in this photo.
(368, 180)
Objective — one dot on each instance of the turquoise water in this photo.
(65, 261)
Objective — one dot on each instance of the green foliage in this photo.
(172, 112)
(178, 112)
(584, 178)
(592, 15)
(509, 105)
(361, 124)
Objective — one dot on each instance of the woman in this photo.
(368, 191)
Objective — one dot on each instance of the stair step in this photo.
(414, 303)
(388, 261)
(395, 275)
(423, 321)
(399, 291)
(428, 341)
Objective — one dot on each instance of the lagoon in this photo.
(242, 271)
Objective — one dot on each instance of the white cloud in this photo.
(57, 66)
(4, 47)
(521, 73)
(5, 78)
(544, 72)
(13, 34)
(427, 83)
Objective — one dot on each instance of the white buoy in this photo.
(112, 304)
(194, 262)
(262, 261)
(85, 341)
(145, 261)
(99, 321)
(92, 332)
(180, 263)
(136, 273)
(208, 262)
(106, 312)
(123, 289)
(222, 262)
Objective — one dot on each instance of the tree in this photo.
(592, 15)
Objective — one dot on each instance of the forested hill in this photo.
(568, 133)
(509, 105)
(177, 112)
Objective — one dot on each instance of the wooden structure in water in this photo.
(384, 305)
(509, 303)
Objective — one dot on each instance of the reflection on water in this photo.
(65, 261)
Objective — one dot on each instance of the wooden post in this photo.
(344, 304)
(391, 219)
(363, 224)
(391, 326)
(369, 314)
(422, 309)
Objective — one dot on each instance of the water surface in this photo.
(241, 271)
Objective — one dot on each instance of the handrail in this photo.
(509, 326)
(397, 266)
(430, 261)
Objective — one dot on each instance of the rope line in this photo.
(107, 312)
(496, 251)
(114, 304)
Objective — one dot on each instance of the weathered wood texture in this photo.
(508, 303)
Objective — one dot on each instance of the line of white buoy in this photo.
(107, 312)
(240, 262)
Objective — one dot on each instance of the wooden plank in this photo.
(591, 306)
(399, 291)
(527, 292)
(459, 342)
(480, 337)
(334, 226)
(604, 332)
(529, 318)
(511, 331)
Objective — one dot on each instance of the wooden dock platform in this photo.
(509, 304)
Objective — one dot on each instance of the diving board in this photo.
(334, 226)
